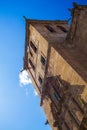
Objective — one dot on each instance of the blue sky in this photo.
(19, 107)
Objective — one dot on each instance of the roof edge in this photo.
(44, 21)
(79, 6)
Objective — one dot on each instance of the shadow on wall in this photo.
(67, 108)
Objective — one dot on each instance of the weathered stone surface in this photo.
(56, 60)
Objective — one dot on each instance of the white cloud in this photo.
(35, 93)
(24, 78)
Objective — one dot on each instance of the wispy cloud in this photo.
(35, 93)
(24, 78)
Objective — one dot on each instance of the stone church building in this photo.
(56, 60)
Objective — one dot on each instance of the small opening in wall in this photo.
(40, 80)
(43, 60)
(62, 28)
(50, 28)
(33, 46)
(31, 54)
(31, 64)
(56, 96)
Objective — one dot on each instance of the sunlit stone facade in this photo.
(56, 60)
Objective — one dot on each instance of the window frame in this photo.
(40, 79)
(43, 60)
(50, 29)
(31, 54)
(33, 46)
(31, 64)
(63, 29)
(56, 96)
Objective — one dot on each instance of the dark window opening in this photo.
(31, 54)
(43, 61)
(63, 29)
(50, 28)
(56, 96)
(31, 64)
(33, 46)
(40, 80)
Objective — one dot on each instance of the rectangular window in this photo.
(56, 96)
(63, 29)
(31, 53)
(33, 46)
(50, 28)
(43, 60)
(31, 64)
(40, 80)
